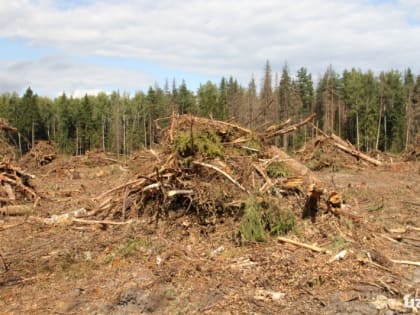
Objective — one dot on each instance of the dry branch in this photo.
(406, 262)
(223, 173)
(308, 246)
(291, 128)
(108, 222)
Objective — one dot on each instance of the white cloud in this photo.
(225, 37)
(56, 74)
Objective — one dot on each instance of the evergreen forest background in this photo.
(373, 111)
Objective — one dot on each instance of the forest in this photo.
(373, 111)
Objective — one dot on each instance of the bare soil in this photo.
(181, 267)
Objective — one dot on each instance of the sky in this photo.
(87, 46)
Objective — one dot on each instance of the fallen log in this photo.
(346, 147)
(358, 154)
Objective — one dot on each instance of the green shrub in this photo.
(251, 226)
(260, 220)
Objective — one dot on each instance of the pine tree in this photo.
(285, 110)
(185, 100)
(252, 104)
(28, 114)
(266, 97)
(208, 101)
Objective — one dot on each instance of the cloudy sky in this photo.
(80, 46)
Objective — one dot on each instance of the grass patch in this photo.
(277, 169)
(338, 243)
(127, 250)
(375, 207)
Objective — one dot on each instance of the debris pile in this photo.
(7, 152)
(413, 153)
(208, 168)
(15, 189)
(333, 152)
(43, 153)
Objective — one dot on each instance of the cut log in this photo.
(294, 165)
(335, 200)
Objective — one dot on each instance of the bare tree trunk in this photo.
(407, 136)
(124, 136)
(33, 133)
(103, 133)
(379, 125)
(20, 143)
(408, 115)
(385, 132)
(150, 130)
(145, 132)
(77, 139)
(357, 131)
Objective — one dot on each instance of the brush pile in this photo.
(208, 168)
(330, 151)
(7, 152)
(413, 153)
(15, 188)
(43, 153)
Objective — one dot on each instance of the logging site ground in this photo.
(215, 219)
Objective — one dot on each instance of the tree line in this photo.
(374, 112)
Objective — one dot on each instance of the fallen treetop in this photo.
(332, 151)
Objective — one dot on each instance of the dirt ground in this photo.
(181, 267)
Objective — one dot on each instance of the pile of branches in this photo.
(207, 167)
(5, 126)
(43, 153)
(15, 188)
(7, 152)
(413, 152)
(331, 151)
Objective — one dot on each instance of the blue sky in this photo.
(88, 46)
